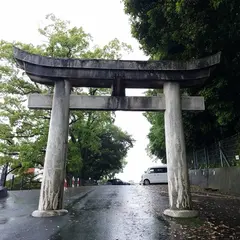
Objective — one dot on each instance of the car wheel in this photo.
(146, 182)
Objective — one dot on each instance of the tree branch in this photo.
(93, 91)
(73, 121)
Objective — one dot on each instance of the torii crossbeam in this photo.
(118, 75)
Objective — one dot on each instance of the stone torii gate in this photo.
(64, 74)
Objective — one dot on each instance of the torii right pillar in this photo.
(180, 203)
(178, 179)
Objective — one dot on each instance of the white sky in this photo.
(104, 20)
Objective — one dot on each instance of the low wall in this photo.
(224, 179)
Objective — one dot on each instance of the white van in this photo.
(156, 174)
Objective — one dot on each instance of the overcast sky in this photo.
(104, 20)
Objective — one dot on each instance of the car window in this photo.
(160, 170)
(151, 170)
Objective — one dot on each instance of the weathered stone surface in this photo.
(181, 213)
(37, 101)
(178, 180)
(51, 195)
(118, 88)
(104, 73)
(115, 64)
(49, 213)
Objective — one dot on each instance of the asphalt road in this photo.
(116, 213)
(119, 213)
(16, 222)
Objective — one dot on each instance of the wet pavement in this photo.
(120, 213)
(116, 212)
(17, 223)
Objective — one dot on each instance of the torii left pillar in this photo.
(52, 188)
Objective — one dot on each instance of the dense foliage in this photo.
(187, 29)
(96, 146)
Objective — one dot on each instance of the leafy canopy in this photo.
(24, 132)
(188, 29)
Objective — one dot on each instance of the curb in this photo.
(210, 195)
(215, 195)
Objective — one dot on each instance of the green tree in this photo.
(110, 157)
(183, 30)
(25, 131)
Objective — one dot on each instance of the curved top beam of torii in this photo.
(105, 73)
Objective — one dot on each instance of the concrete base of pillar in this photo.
(49, 213)
(181, 213)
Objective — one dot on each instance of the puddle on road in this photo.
(3, 220)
